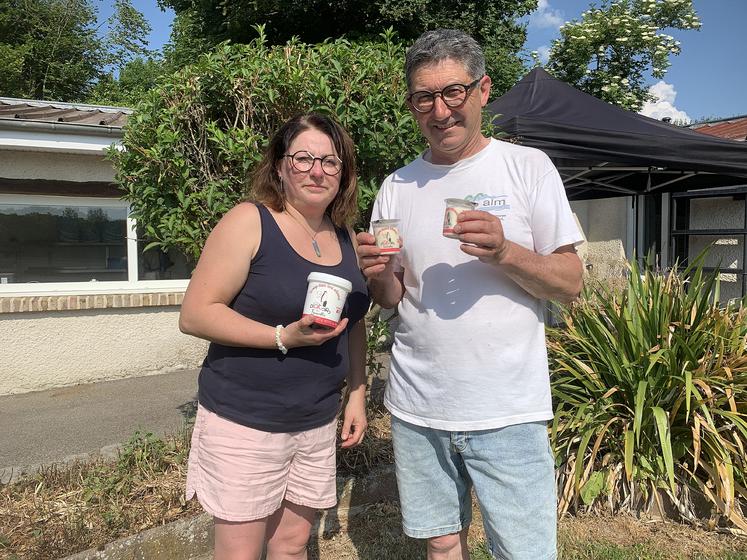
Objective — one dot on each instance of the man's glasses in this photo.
(453, 96)
(303, 161)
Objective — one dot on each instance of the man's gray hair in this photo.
(443, 44)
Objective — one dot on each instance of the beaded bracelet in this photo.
(278, 342)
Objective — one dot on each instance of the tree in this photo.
(134, 80)
(198, 134)
(187, 41)
(204, 23)
(610, 51)
(54, 49)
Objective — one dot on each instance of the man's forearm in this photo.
(386, 290)
(557, 276)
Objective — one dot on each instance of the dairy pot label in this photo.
(387, 239)
(324, 302)
(450, 219)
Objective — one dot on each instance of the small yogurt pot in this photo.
(386, 233)
(325, 298)
(454, 207)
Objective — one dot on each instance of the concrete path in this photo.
(60, 425)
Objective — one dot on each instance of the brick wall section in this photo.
(30, 304)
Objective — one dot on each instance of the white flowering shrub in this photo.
(612, 49)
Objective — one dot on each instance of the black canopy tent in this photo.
(602, 150)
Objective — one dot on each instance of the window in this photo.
(713, 219)
(53, 243)
(155, 264)
(62, 243)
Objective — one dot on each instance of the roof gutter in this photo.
(60, 127)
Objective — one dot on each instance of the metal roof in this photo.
(61, 113)
(734, 128)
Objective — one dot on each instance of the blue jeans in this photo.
(511, 470)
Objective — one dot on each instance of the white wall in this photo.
(605, 226)
(16, 164)
(726, 253)
(41, 350)
(608, 226)
(53, 349)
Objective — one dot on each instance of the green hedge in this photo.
(194, 138)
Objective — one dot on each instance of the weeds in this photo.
(61, 511)
(65, 509)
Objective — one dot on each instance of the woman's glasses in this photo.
(303, 161)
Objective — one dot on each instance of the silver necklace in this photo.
(314, 244)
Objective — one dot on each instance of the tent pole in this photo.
(744, 251)
(635, 229)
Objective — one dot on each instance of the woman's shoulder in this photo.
(243, 212)
(243, 220)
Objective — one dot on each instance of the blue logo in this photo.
(495, 204)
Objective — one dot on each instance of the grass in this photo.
(605, 551)
(69, 508)
(376, 534)
(65, 509)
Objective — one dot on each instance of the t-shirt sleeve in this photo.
(552, 221)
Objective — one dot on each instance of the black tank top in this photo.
(264, 389)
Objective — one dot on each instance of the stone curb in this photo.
(192, 538)
(185, 539)
(9, 475)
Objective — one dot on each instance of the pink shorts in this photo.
(242, 474)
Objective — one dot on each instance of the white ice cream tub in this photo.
(325, 298)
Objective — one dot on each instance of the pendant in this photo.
(316, 248)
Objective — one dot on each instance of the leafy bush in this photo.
(650, 390)
(195, 137)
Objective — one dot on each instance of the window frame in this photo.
(131, 285)
(680, 230)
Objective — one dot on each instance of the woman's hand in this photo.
(305, 333)
(354, 421)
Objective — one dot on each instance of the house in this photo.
(677, 226)
(734, 128)
(79, 299)
(637, 186)
(715, 218)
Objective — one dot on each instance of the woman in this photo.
(263, 448)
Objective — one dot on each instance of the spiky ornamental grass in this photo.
(650, 392)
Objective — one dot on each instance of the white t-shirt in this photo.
(469, 352)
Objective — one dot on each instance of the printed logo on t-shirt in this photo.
(495, 204)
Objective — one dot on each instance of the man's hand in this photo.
(384, 284)
(373, 264)
(557, 276)
(481, 234)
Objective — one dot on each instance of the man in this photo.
(469, 387)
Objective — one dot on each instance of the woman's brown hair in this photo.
(265, 184)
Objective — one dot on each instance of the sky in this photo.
(160, 20)
(707, 80)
